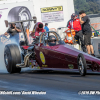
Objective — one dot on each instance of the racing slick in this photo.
(75, 24)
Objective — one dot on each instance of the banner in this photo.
(52, 14)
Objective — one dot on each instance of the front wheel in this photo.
(82, 64)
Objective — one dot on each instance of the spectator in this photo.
(37, 30)
(86, 28)
(13, 32)
(70, 20)
(75, 24)
(46, 27)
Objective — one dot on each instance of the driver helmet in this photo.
(52, 40)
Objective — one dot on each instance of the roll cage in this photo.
(44, 37)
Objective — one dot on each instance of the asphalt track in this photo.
(57, 85)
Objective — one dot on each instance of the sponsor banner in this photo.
(52, 14)
(51, 9)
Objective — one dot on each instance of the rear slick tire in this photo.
(12, 57)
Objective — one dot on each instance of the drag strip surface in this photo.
(57, 85)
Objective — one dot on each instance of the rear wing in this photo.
(6, 21)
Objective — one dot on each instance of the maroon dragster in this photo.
(49, 53)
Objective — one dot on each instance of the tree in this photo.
(89, 6)
(80, 5)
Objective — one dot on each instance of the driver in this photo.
(52, 40)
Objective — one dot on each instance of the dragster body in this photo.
(44, 56)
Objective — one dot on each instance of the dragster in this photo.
(48, 52)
